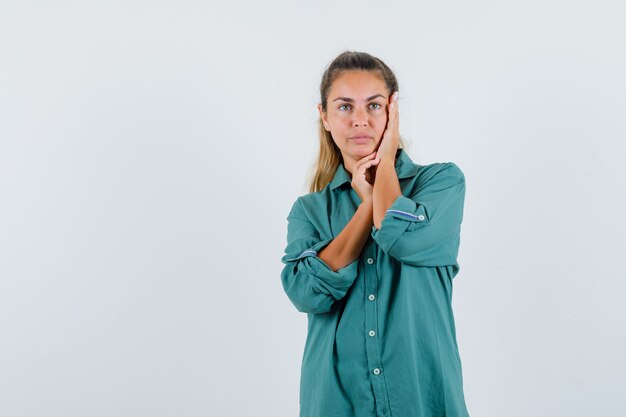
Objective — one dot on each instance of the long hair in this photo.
(329, 156)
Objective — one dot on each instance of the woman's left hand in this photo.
(391, 137)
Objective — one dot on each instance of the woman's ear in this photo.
(323, 116)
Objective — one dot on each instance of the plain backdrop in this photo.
(150, 152)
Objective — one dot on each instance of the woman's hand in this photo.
(391, 137)
(363, 177)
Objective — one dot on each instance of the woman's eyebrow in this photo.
(349, 100)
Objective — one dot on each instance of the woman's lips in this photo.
(361, 139)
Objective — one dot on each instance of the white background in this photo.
(150, 152)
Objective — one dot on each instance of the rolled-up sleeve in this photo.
(424, 229)
(311, 285)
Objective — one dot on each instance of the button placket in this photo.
(372, 346)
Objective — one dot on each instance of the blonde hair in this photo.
(329, 156)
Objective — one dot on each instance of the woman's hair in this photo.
(329, 156)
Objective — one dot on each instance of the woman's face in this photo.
(356, 113)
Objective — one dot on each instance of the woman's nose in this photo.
(359, 118)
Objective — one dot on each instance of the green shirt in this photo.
(381, 336)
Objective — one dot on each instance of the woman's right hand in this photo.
(363, 177)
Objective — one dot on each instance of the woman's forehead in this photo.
(360, 85)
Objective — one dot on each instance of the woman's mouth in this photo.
(361, 139)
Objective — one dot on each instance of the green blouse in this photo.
(381, 336)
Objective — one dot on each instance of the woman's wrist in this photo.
(387, 160)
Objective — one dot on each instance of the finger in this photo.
(397, 124)
(362, 169)
(366, 158)
(396, 119)
(361, 166)
(394, 102)
(372, 163)
(393, 114)
(394, 106)
(396, 114)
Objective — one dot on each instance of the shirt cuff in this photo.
(335, 283)
(403, 213)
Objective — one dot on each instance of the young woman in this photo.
(371, 254)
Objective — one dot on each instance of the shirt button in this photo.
(372, 333)
(376, 371)
(370, 261)
(420, 217)
(372, 297)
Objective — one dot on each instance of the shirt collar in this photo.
(405, 168)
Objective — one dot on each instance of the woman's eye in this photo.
(374, 106)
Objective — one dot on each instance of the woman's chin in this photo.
(364, 149)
